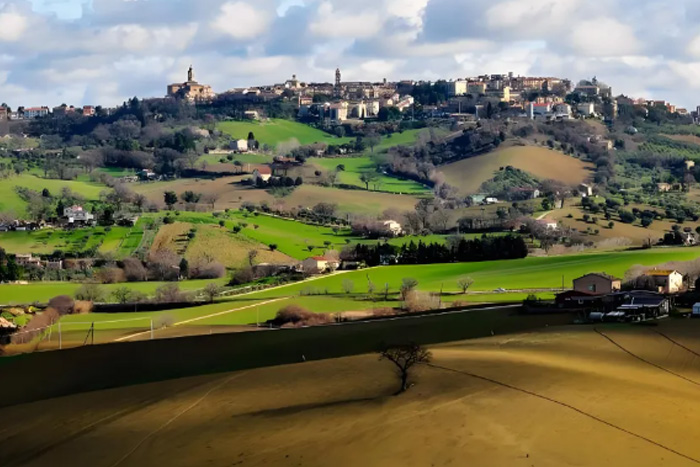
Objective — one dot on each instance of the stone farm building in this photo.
(597, 284)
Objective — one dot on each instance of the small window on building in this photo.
(592, 288)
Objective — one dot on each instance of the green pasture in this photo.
(327, 294)
(10, 200)
(355, 166)
(247, 158)
(278, 131)
(528, 273)
(44, 291)
(292, 238)
(121, 241)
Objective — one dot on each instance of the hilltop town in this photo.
(341, 101)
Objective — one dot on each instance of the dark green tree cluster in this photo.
(486, 248)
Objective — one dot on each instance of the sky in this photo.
(101, 52)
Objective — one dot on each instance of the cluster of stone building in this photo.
(537, 97)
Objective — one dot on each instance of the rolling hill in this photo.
(543, 163)
(565, 396)
(277, 131)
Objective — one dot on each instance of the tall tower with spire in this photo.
(337, 83)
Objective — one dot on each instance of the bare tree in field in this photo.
(252, 255)
(211, 291)
(211, 199)
(405, 357)
(464, 283)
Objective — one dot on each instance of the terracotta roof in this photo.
(600, 274)
(660, 272)
(319, 258)
(264, 170)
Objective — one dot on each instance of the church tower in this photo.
(190, 74)
(337, 83)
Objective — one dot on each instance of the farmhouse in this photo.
(77, 215)
(665, 281)
(319, 264)
(548, 224)
(263, 172)
(597, 284)
(27, 260)
(240, 145)
(393, 227)
(649, 304)
(147, 175)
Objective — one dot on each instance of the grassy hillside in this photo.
(232, 194)
(44, 291)
(488, 402)
(10, 200)
(469, 174)
(277, 131)
(355, 166)
(120, 241)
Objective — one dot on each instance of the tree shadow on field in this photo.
(298, 409)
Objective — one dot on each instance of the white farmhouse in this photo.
(393, 227)
(240, 145)
(78, 215)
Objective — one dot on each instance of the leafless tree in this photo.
(405, 357)
(408, 285)
(211, 291)
(211, 199)
(252, 254)
(134, 270)
(348, 286)
(464, 283)
(90, 293)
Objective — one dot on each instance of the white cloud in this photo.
(604, 37)
(331, 23)
(117, 49)
(240, 20)
(12, 26)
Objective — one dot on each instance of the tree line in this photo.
(486, 248)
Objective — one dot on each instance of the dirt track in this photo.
(564, 397)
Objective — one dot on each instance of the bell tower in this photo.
(190, 74)
(337, 83)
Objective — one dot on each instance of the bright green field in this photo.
(10, 200)
(44, 291)
(277, 131)
(355, 166)
(292, 238)
(527, 273)
(121, 241)
(49, 240)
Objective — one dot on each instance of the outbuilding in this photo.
(696, 310)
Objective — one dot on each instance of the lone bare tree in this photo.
(464, 283)
(405, 357)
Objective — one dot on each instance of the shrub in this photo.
(90, 293)
(63, 304)
(297, 316)
(170, 293)
(416, 302)
(111, 275)
(134, 271)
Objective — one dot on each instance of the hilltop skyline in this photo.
(105, 51)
